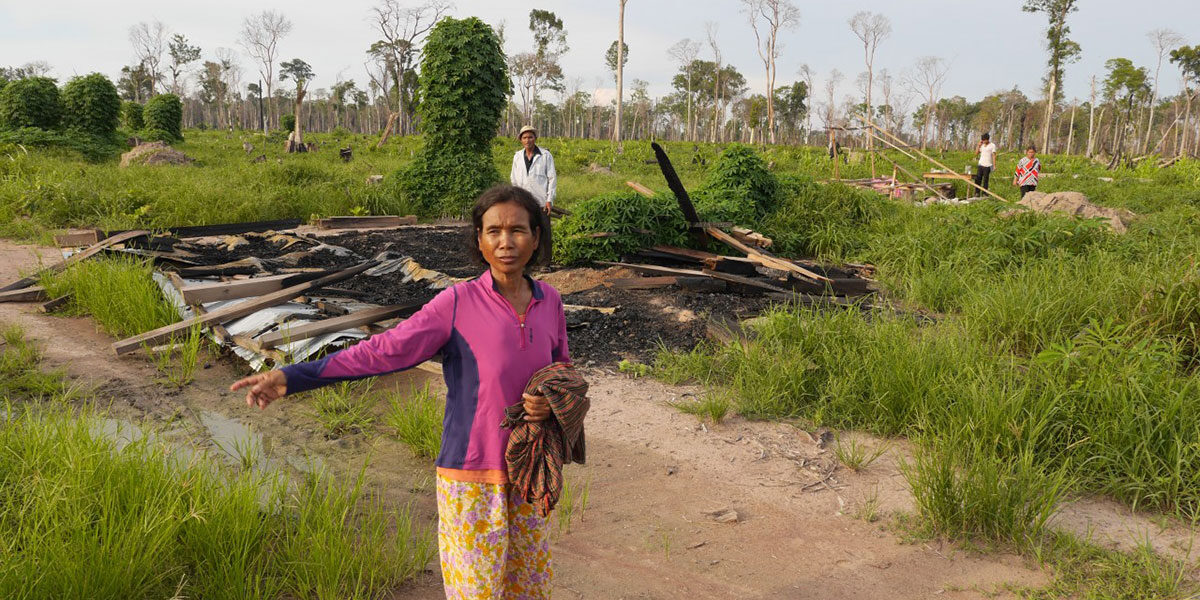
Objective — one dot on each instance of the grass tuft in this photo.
(415, 419)
(344, 408)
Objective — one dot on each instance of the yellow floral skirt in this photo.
(493, 544)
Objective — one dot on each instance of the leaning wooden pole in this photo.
(871, 124)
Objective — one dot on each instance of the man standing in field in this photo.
(987, 161)
(533, 170)
(1028, 171)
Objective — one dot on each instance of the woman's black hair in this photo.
(501, 194)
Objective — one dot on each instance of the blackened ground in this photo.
(389, 289)
(258, 247)
(442, 249)
(645, 321)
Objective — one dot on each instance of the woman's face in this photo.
(506, 239)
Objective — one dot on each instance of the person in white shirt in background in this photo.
(533, 170)
(987, 161)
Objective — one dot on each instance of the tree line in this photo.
(710, 100)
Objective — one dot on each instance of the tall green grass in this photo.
(416, 420)
(117, 291)
(81, 517)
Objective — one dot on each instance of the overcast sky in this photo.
(991, 45)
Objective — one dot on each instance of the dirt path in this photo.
(653, 477)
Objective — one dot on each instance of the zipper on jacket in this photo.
(518, 317)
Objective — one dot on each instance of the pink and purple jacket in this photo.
(488, 355)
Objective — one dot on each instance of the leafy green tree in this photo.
(1188, 59)
(30, 102)
(164, 118)
(91, 105)
(135, 83)
(301, 73)
(1126, 82)
(182, 54)
(791, 106)
(1062, 51)
(610, 57)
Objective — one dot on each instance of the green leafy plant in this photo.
(30, 102)
(633, 368)
(131, 115)
(91, 105)
(287, 123)
(464, 86)
(163, 116)
(636, 221)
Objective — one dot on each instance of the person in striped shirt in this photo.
(1028, 170)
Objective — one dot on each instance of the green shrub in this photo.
(438, 183)
(822, 220)
(739, 188)
(91, 105)
(464, 85)
(287, 123)
(30, 102)
(131, 116)
(638, 222)
(164, 118)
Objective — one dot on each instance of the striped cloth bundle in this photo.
(537, 452)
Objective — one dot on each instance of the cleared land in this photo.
(1050, 383)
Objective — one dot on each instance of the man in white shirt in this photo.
(987, 161)
(533, 169)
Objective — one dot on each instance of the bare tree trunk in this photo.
(1049, 110)
(620, 75)
(1071, 133)
(1092, 122)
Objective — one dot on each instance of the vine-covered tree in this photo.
(91, 105)
(464, 88)
(30, 102)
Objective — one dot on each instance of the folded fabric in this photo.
(536, 452)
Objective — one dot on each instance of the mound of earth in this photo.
(1077, 204)
(154, 153)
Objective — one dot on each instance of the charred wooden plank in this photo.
(55, 304)
(241, 309)
(35, 293)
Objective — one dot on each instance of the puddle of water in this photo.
(241, 443)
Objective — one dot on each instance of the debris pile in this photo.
(277, 292)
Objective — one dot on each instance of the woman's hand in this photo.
(537, 408)
(265, 388)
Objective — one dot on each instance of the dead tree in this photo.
(260, 37)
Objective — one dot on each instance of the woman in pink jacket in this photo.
(493, 332)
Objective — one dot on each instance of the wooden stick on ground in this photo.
(767, 261)
(239, 310)
(30, 294)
